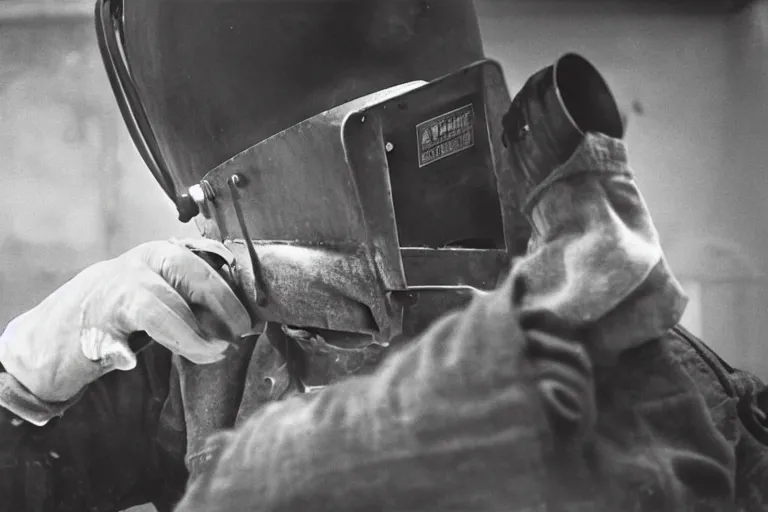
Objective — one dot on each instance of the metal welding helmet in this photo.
(348, 152)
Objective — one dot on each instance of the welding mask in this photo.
(348, 153)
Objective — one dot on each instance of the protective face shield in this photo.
(347, 152)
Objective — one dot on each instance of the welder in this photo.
(412, 291)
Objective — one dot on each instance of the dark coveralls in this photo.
(510, 404)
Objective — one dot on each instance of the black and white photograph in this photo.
(384, 255)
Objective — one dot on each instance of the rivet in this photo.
(208, 191)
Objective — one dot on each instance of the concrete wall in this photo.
(746, 181)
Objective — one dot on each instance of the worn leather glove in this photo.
(80, 332)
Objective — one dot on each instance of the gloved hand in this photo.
(80, 332)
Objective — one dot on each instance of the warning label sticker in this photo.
(445, 135)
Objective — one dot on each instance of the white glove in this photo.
(80, 332)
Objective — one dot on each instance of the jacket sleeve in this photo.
(99, 455)
(460, 410)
